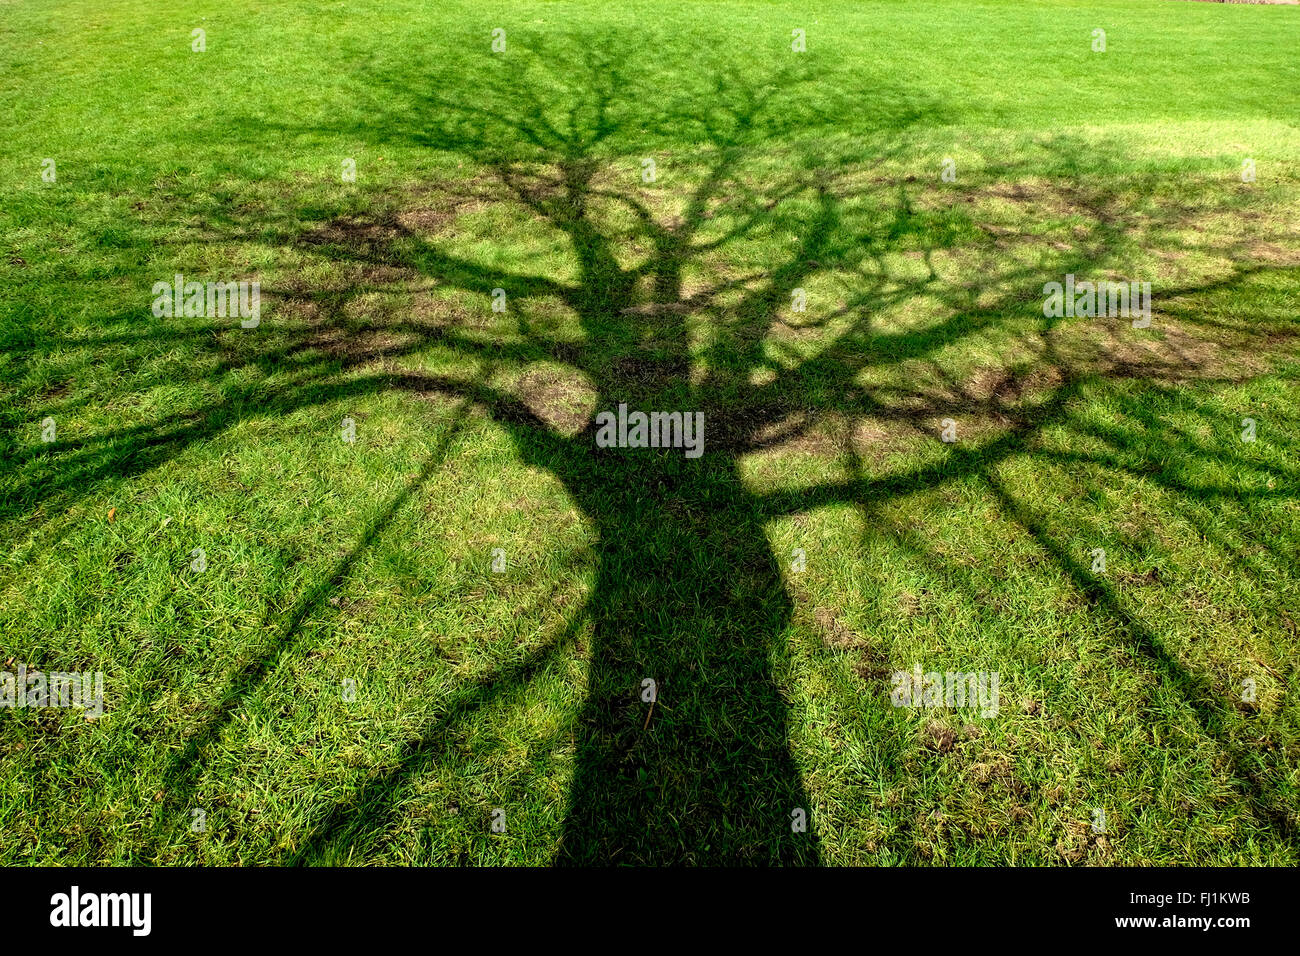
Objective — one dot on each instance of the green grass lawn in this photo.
(368, 652)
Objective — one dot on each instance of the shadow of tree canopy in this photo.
(675, 301)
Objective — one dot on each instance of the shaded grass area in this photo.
(825, 539)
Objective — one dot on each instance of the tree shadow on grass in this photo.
(688, 592)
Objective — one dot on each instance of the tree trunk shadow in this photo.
(694, 768)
